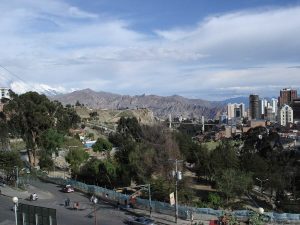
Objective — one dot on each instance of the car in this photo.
(68, 188)
(141, 221)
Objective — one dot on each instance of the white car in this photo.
(68, 188)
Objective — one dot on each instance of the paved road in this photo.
(52, 197)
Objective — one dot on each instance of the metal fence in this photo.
(160, 207)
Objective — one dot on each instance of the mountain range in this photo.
(161, 106)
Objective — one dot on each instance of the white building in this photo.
(286, 115)
(263, 104)
(4, 93)
(235, 110)
(274, 104)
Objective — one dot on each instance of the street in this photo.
(50, 195)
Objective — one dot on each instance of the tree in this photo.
(8, 161)
(233, 183)
(45, 161)
(214, 199)
(31, 115)
(77, 103)
(75, 158)
(142, 163)
(131, 127)
(102, 145)
(3, 132)
(65, 118)
(51, 140)
(224, 156)
(100, 172)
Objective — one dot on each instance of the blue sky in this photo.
(199, 49)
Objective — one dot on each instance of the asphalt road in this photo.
(52, 197)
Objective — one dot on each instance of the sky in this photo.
(195, 48)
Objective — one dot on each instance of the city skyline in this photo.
(194, 49)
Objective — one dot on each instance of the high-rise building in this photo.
(286, 96)
(286, 115)
(254, 107)
(274, 105)
(263, 104)
(296, 110)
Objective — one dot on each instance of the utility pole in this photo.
(150, 205)
(178, 176)
(94, 200)
(203, 126)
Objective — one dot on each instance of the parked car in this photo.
(141, 221)
(68, 188)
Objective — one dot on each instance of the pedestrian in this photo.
(92, 198)
(68, 202)
(76, 205)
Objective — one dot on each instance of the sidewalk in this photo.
(24, 194)
(163, 218)
(13, 192)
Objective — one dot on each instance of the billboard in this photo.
(172, 199)
(36, 215)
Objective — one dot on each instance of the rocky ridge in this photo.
(161, 106)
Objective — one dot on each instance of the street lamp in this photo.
(261, 183)
(15, 201)
(178, 176)
(95, 201)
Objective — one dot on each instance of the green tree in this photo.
(77, 103)
(51, 140)
(8, 161)
(233, 183)
(65, 118)
(214, 199)
(131, 127)
(45, 161)
(31, 115)
(76, 157)
(224, 156)
(102, 145)
(142, 163)
(4, 139)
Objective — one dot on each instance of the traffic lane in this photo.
(105, 213)
(7, 215)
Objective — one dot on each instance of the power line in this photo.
(19, 78)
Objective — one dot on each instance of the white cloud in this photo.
(52, 42)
